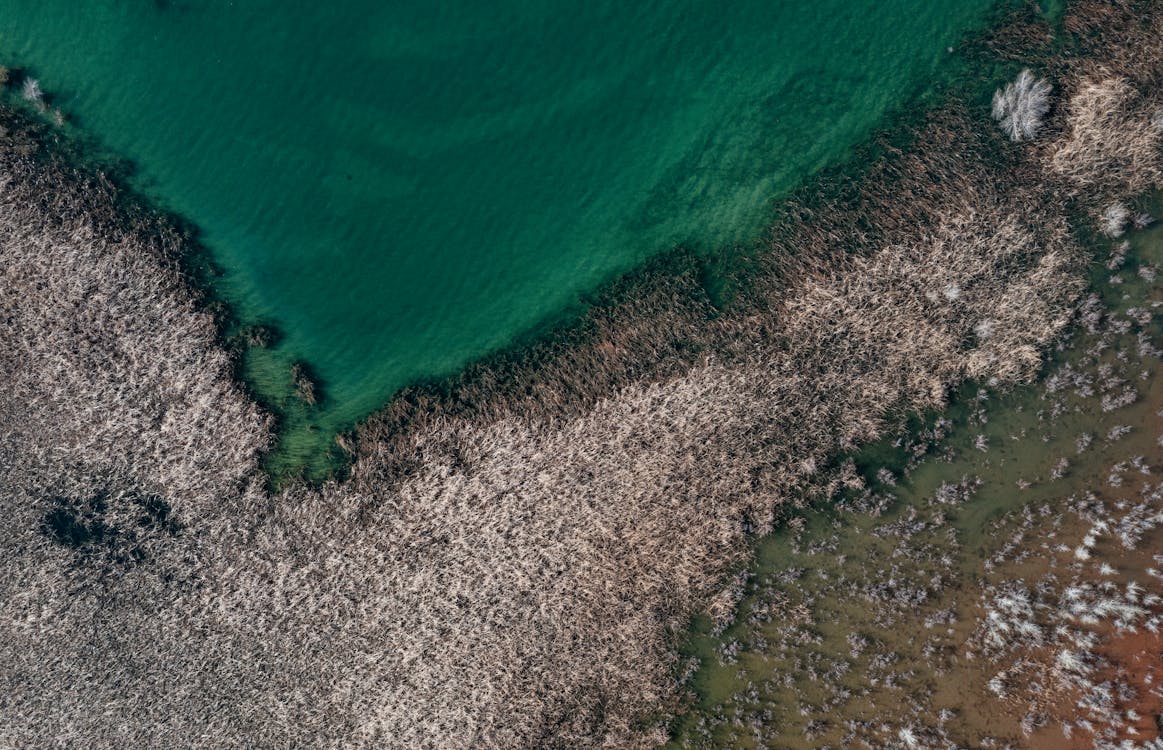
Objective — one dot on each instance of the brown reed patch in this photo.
(1113, 136)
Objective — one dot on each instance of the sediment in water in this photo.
(512, 562)
(992, 586)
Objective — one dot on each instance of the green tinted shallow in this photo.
(402, 187)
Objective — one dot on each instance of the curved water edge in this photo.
(701, 127)
(518, 568)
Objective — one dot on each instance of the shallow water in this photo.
(787, 673)
(402, 188)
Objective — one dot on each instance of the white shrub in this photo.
(1114, 219)
(1021, 105)
(30, 90)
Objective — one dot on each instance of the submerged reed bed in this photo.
(512, 562)
(994, 585)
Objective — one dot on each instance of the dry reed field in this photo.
(513, 563)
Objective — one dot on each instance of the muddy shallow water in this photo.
(881, 621)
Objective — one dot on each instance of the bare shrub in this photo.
(31, 91)
(1021, 106)
(1113, 220)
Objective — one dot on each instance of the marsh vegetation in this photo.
(512, 560)
(992, 579)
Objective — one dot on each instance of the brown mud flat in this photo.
(1137, 660)
(514, 561)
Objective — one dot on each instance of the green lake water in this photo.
(403, 187)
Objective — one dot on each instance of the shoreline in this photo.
(894, 586)
(675, 289)
(686, 281)
(561, 501)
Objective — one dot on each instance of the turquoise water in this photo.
(403, 187)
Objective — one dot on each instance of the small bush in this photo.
(31, 91)
(1021, 106)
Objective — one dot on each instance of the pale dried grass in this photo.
(514, 579)
(525, 584)
(1112, 140)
